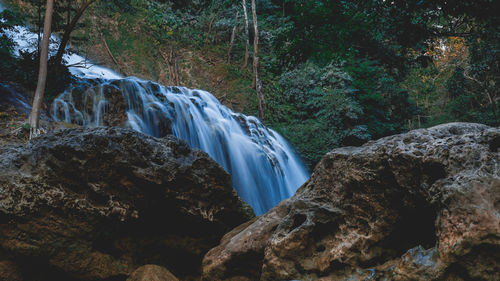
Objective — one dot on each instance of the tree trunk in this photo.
(42, 72)
(209, 29)
(233, 35)
(247, 34)
(256, 63)
(69, 28)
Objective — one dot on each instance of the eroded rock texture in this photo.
(95, 204)
(417, 206)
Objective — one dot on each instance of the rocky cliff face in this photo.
(95, 204)
(417, 206)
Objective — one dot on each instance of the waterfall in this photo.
(264, 168)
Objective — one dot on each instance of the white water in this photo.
(264, 168)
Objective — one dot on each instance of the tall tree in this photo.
(42, 72)
(256, 63)
(247, 34)
(70, 27)
(233, 36)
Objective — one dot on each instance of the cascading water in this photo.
(263, 166)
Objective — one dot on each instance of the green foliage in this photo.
(117, 6)
(320, 108)
(385, 104)
(471, 100)
(385, 45)
(325, 30)
(462, 83)
(371, 37)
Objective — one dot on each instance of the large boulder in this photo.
(417, 206)
(95, 204)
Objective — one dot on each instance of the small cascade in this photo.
(264, 168)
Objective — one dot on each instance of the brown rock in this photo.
(94, 204)
(417, 206)
(151, 272)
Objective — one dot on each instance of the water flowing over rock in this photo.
(95, 204)
(417, 206)
(264, 168)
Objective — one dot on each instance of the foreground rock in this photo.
(151, 272)
(95, 204)
(417, 206)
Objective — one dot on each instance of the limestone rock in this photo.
(94, 204)
(417, 206)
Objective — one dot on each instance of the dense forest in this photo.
(332, 73)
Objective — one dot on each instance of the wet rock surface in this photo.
(95, 204)
(417, 206)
